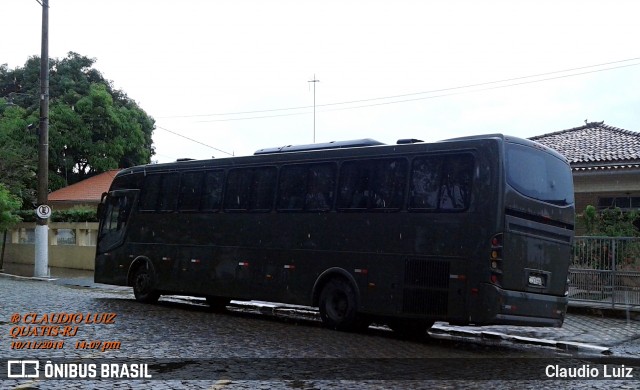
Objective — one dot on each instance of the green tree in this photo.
(18, 157)
(9, 204)
(92, 126)
(610, 222)
(589, 218)
(618, 223)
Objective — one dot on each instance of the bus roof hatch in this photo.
(320, 146)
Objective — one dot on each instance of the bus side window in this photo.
(250, 189)
(238, 187)
(160, 192)
(212, 191)
(455, 190)
(372, 184)
(389, 183)
(263, 189)
(306, 187)
(150, 193)
(190, 191)
(321, 179)
(425, 179)
(168, 197)
(354, 185)
(292, 188)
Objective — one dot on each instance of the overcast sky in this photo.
(233, 76)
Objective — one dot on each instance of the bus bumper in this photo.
(506, 307)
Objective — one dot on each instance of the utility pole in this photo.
(314, 81)
(41, 264)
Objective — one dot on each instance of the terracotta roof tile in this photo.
(595, 146)
(89, 190)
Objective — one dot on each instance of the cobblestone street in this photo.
(179, 332)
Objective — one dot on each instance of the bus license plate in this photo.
(536, 280)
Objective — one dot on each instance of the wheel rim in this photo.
(142, 282)
(337, 306)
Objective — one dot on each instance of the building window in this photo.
(621, 202)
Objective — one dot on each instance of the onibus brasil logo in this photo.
(20, 369)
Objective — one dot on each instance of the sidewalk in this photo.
(64, 276)
(587, 328)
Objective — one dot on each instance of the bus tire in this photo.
(143, 285)
(217, 304)
(338, 307)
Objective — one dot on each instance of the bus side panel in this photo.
(499, 306)
(110, 269)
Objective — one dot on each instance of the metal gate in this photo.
(605, 270)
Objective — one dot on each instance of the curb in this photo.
(38, 278)
(625, 313)
(439, 332)
(445, 333)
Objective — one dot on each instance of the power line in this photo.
(254, 117)
(425, 97)
(410, 94)
(480, 90)
(468, 86)
(193, 140)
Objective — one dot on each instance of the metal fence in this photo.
(605, 270)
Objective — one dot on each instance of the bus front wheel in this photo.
(143, 286)
(338, 307)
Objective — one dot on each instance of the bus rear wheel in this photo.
(143, 286)
(338, 307)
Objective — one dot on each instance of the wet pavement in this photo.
(587, 328)
(168, 330)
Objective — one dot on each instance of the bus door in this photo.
(112, 263)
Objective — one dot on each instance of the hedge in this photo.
(71, 215)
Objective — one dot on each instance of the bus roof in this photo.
(328, 150)
(320, 146)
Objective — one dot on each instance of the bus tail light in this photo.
(495, 259)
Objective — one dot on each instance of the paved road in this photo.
(177, 336)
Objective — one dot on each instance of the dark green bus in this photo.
(474, 230)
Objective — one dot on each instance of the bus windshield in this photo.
(541, 176)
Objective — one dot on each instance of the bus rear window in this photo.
(539, 175)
